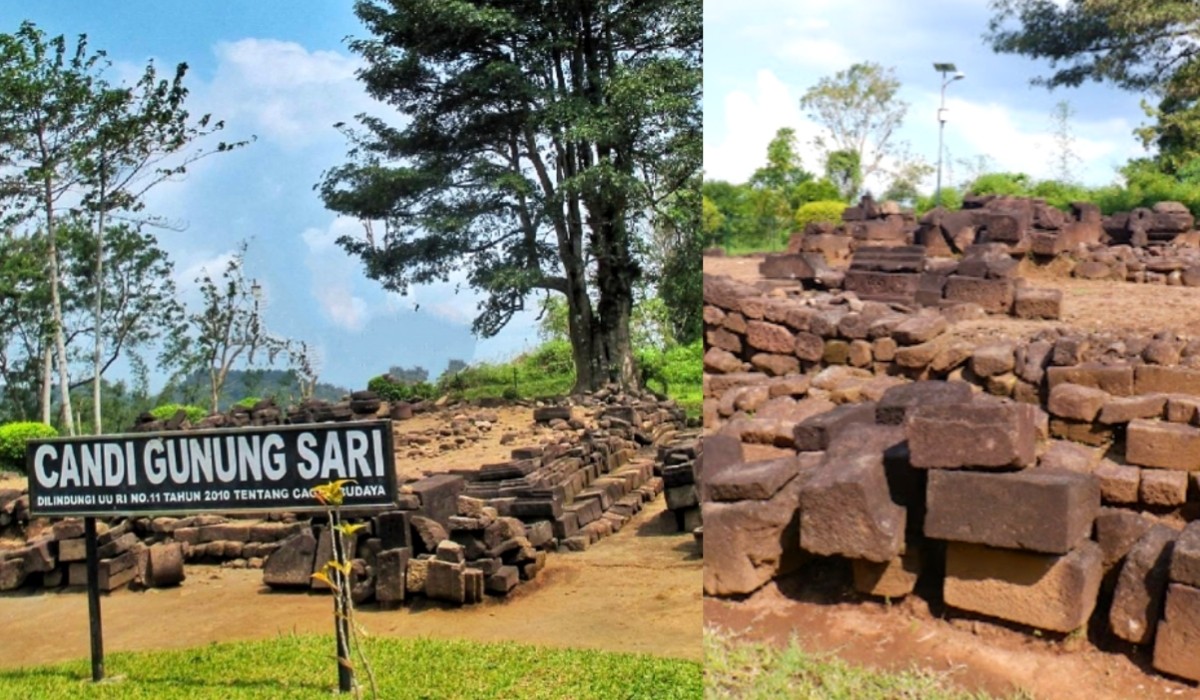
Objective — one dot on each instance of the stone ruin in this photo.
(1051, 481)
(452, 537)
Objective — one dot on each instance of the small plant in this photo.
(248, 402)
(336, 574)
(168, 411)
(13, 437)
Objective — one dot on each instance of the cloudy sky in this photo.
(760, 56)
(278, 71)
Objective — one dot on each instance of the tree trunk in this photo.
(98, 349)
(46, 397)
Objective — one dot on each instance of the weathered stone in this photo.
(894, 578)
(896, 402)
(919, 328)
(754, 480)
(1068, 456)
(815, 433)
(1185, 562)
(723, 339)
(429, 533)
(920, 356)
(977, 434)
(994, 295)
(1031, 361)
(391, 571)
(1047, 591)
(292, 563)
(165, 565)
(1178, 634)
(1082, 431)
(1038, 510)
(1137, 601)
(769, 337)
(748, 543)
(1118, 482)
(846, 509)
(721, 361)
(1114, 379)
(1182, 409)
(837, 352)
(1164, 445)
(444, 581)
(1150, 379)
(1036, 303)
(809, 347)
(1163, 487)
(994, 359)
(1124, 409)
(775, 365)
(1117, 530)
(1076, 402)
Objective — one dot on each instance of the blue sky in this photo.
(279, 71)
(761, 55)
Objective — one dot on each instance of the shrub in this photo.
(248, 402)
(168, 411)
(825, 210)
(388, 389)
(12, 441)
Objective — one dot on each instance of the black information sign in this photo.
(241, 469)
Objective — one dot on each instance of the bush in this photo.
(12, 441)
(388, 389)
(248, 402)
(826, 210)
(167, 411)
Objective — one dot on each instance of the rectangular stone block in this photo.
(1178, 634)
(1047, 591)
(1086, 432)
(1150, 379)
(787, 266)
(895, 578)
(978, 434)
(1164, 445)
(1124, 409)
(1040, 510)
(1138, 598)
(1119, 483)
(72, 550)
(444, 581)
(747, 543)
(1115, 379)
(391, 572)
(754, 480)
(995, 296)
(1185, 561)
(846, 509)
(1036, 303)
(815, 433)
(881, 286)
(896, 402)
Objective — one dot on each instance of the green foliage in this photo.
(247, 402)
(167, 411)
(844, 169)
(408, 669)
(951, 199)
(830, 211)
(13, 437)
(1005, 184)
(1146, 184)
(677, 372)
(859, 109)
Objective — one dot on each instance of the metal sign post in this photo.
(93, 594)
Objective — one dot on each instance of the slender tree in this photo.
(540, 140)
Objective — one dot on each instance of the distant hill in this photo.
(262, 383)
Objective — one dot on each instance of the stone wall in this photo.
(1046, 480)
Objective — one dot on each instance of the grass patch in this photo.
(303, 667)
(748, 670)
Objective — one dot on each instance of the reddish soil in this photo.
(636, 591)
(817, 605)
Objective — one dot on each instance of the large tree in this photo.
(539, 141)
(1149, 47)
(860, 112)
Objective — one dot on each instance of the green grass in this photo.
(303, 667)
(758, 671)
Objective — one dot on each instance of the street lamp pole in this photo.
(944, 69)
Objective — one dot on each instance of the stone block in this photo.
(1178, 634)
(920, 328)
(1046, 591)
(391, 569)
(758, 481)
(770, 337)
(883, 286)
(1141, 586)
(1124, 409)
(503, 580)
(1068, 456)
(1185, 562)
(1151, 379)
(994, 295)
(846, 509)
(444, 581)
(1076, 402)
(788, 266)
(748, 543)
(1086, 432)
(816, 432)
(439, 493)
(1164, 445)
(165, 565)
(1038, 510)
(1163, 487)
(994, 359)
(1037, 303)
(1119, 483)
(292, 564)
(1117, 530)
(894, 578)
(416, 575)
(896, 402)
(1114, 379)
(978, 434)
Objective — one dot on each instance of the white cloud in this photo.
(285, 93)
(751, 121)
(333, 275)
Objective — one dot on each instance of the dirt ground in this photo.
(636, 591)
(976, 654)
